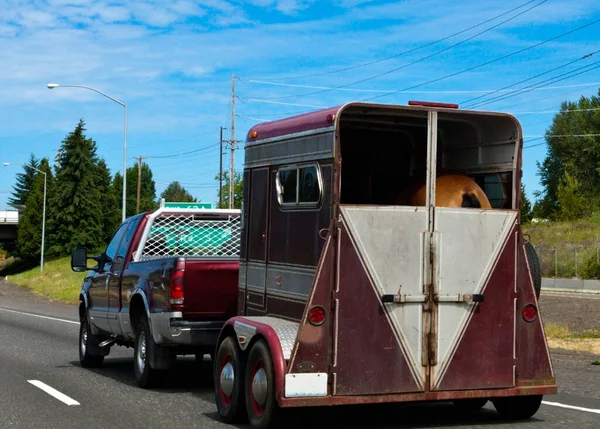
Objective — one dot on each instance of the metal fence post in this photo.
(556, 262)
(575, 247)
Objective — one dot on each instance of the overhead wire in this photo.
(410, 51)
(416, 61)
(505, 88)
(469, 69)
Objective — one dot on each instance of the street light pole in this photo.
(56, 85)
(6, 164)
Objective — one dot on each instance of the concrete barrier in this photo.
(571, 285)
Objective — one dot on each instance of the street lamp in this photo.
(6, 164)
(56, 85)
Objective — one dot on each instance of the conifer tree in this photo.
(147, 191)
(77, 215)
(177, 193)
(29, 232)
(24, 183)
(109, 202)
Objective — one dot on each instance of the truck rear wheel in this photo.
(261, 405)
(145, 375)
(228, 373)
(517, 407)
(89, 356)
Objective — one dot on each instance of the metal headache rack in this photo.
(209, 233)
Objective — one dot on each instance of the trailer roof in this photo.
(294, 124)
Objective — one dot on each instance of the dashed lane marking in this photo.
(53, 392)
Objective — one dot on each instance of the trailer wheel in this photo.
(228, 375)
(535, 267)
(469, 405)
(261, 405)
(517, 407)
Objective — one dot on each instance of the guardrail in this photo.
(571, 285)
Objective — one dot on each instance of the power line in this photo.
(204, 148)
(531, 78)
(531, 87)
(535, 45)
(410, 51)
(416, 61)
(535, 100)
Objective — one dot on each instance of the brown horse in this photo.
(452, 190)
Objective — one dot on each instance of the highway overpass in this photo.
(9, 219)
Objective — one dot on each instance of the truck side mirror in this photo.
(79, 259)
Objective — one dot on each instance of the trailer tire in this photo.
(261, 405)
(517, 407)
(469, 405)
(535, 267)
(228, 367)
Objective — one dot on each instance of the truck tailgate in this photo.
(211, 288)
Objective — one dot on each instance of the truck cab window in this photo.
(111, 249)
(119, 260)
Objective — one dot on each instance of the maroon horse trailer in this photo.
(346, 296)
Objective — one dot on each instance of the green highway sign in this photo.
(188, 205)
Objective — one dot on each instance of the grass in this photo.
(560, 337)
(556, 242)
(57, 281)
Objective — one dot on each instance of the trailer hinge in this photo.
(431, 349)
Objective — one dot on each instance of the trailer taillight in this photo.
(177, 289)
(316, 315)
(530, 313)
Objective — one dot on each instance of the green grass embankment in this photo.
(557, 243)
(57, 281)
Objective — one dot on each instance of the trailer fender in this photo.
(247, 331)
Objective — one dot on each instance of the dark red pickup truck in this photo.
(165, 285)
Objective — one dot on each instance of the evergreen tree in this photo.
(573, 146)
(77, 215)
(525, 206)
(238, 189)
(177, 193)
(24, 183)
(29, 232)
(147, 191)
(109, 201)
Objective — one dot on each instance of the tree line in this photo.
(84, 200)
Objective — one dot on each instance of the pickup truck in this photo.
(165, 285)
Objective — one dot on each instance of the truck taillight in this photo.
(177, 289)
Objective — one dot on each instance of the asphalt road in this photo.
(38, 344)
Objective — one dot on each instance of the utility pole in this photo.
(232, 143)
(221, 170)
(139, 182)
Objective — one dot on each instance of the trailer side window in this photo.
(299, 185)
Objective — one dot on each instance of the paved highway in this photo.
(43, 386)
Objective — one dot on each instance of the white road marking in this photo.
(571, 407)
(41, 317)
(53, 392)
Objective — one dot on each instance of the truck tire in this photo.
(145, 375)
(90, 355)
(228, 374)
(535, 267)
(261, 405)
(517, 407)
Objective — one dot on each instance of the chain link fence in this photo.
(567, 260)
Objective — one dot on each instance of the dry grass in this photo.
(560, 337)
(57, 281)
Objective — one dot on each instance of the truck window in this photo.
(111, 249)
(299, 185)
(124, 245)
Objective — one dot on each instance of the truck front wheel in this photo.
(89, 355)
(517, 407)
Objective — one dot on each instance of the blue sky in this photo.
(172, 62)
